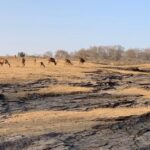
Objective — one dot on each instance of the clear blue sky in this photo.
(36, 26)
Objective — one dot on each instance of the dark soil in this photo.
(123, 133)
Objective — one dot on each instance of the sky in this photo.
(36, 26)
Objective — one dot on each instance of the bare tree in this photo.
(21, 54)
(82, 53)
(48, 54)
(131, 54)
(62, 54)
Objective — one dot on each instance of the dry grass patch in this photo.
(40, 122)
(32, 71)
(64, 89)
(141, 66)
(61, 71)
(134, 91)
(124, 71)
(53, 89)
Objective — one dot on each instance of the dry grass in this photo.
(32, 71)
(59, 121)
(134, 91)
(123, 71)
(34, 123)
(141, 66)
(64, 89)
(55, 89)
(62, 71)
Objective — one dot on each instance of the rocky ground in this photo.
(117, 133)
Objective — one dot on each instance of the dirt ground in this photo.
(74, 107)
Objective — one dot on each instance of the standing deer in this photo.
(81, 60)
(42, 64)
(35, 60)
(68, 61)
(7, 62)
(1, 63)
(23, 61)
(52, 60)
(4, 61)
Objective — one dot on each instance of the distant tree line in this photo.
(116, 53)
(21, 54)
(112, 53)
(100, 53)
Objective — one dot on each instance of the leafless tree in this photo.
(61, 54)
(48, 54)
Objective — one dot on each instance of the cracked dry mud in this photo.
(110, 130)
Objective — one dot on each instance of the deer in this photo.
(81, 60)
(7, 62)
(1, 63)
(42, 64)
(68, 61)
(35, 60)
(52, 60)
(4, 61)
(23, 61)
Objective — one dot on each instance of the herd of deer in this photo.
(50, 60)
(67, 61)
